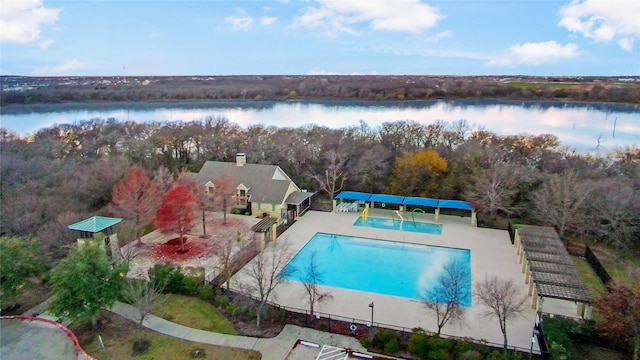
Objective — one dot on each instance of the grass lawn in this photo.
(194, 313)
(590, 352)
(622, 267)
(32, 294)
(591, 280)
(119, 334)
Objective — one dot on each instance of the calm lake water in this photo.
(584, 127)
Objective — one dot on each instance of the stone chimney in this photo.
(241, 159)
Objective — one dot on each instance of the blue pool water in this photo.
(407, 225)
(379, 266)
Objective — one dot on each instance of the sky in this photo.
(320, 37)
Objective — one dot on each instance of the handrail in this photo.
(387, 326)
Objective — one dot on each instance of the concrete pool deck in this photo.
(491, 254)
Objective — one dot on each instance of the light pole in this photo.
(371, 306)
(533, 341)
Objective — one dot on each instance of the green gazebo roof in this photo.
(94, 224)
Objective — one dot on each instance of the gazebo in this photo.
(87, 229)
(550, 273)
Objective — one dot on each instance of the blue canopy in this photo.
(353, 195)
(421, 201)
(455, 204)
(389, 199)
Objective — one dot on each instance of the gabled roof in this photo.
(94, 224)
(298, 197)
(268, 183)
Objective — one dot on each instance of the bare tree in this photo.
(450, 292)
(502, 299)
(335, 175)
(312, 276)
(560, 199)
(164, 178)
(145, 296)
(266, 272)
(222, 194)
(496, 188)
(229, 239)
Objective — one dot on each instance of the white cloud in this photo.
(66, 68)
(626, 43)
(441, 35)
(268, 20)
(240, 23)
(536, 54)
(604, 21)
(382, 15)
(20, 20)
(44, 44)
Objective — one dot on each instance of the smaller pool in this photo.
(407, 225)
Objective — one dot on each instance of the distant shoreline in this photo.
(20, 90)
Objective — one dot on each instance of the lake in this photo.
(586, 127)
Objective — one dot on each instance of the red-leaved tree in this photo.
(177, 212)
(620, 311)
(204, 199)
(136, 198)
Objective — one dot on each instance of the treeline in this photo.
(66, 172)
(27, 90)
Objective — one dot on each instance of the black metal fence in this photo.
(362, 323)
(512, 232)
(541, 338)
(597, 266)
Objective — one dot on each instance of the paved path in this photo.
(276, 348)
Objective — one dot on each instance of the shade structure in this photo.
(388, 199)
(405, 200)
(353, 195)
(420, 201)
(94, 224)
(454, 204)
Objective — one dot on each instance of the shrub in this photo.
(438, 354)
(418, 344)
(436, 343)
(391, 346)
(191, 285)
(206, 293)
(234, 309)
(462, 347)
(383, 337)
(140, 347)
(556, 334)
(503, 355)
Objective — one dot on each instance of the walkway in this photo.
(276, 348)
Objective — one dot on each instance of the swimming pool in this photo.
(407, 225)
(379, 266)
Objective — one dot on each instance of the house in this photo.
(256, 188)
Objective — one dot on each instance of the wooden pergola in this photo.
(549, 269)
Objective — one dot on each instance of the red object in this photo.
(177, 212)
(135, 197)
(193, 249)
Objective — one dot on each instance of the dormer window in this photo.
(209, 187)
(242, 195)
